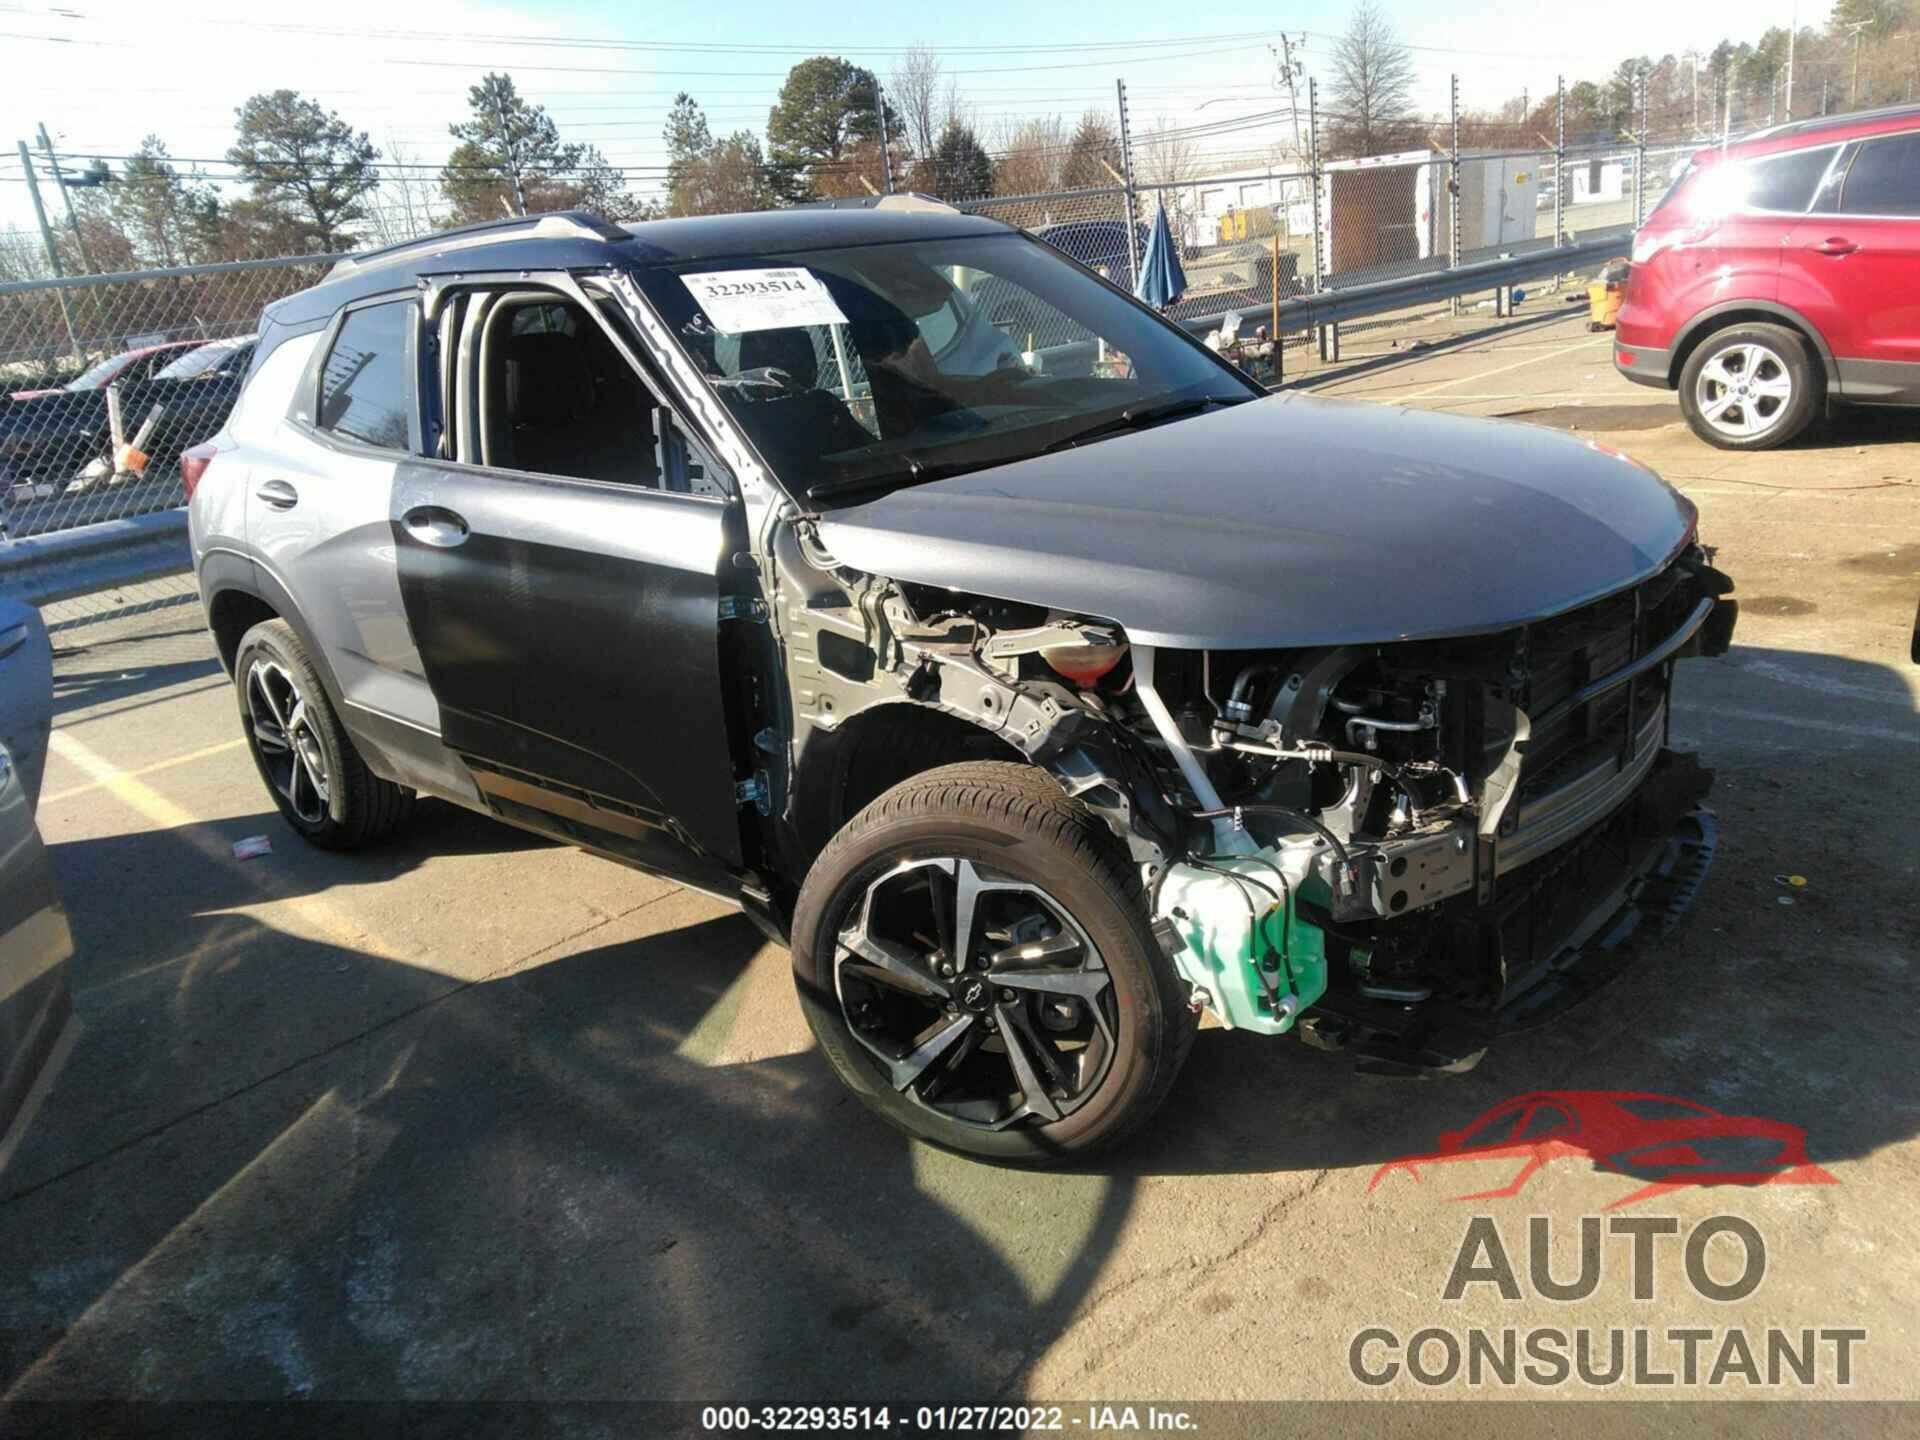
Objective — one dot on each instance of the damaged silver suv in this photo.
(1038, 679)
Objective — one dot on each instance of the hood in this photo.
(1292, 520)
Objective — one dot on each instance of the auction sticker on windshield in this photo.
(737, 301)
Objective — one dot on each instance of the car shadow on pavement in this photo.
(279, 1166)
(86, 676)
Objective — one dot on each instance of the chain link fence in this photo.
(106, 379)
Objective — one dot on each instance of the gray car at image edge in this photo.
(35, 944)
(1033, 675)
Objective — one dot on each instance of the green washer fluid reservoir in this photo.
(1229, 951)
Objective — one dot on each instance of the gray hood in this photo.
(1293, 520)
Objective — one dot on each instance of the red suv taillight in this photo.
(193, 465)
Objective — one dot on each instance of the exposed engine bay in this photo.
(1405, 848)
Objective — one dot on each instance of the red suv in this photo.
(1781, 275)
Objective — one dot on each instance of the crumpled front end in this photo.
(1414, 847)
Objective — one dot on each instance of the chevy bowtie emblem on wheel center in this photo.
(975, 996)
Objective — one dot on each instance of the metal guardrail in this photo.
(41, 569)
(1380, 297)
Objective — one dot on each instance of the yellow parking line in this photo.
(328, 925)
(187, 759)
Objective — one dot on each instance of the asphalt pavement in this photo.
(476, 1116)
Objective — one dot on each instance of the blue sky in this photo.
(103, 75)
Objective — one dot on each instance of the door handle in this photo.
(279, 494)
(1835, 245)
(432, 525)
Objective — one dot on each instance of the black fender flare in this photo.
(1696, 328)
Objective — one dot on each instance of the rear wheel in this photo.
(317, 779)
(972, 953)
(1750, 387)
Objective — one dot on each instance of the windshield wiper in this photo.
(1134, 416)
(917, 472)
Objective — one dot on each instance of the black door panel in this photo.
(570, 634)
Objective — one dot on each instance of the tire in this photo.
(320, 784)
(1093, 1005)
(1787, 385)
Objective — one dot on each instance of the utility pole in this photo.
(73, 218)
(1290, 69)
(1793, 34)
(512, 158)
(1853, 92)
(46, 238)
(886, 140)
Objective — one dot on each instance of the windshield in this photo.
(207, 358)
(871, 366)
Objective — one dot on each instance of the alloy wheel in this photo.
(979, 994)
(1744, 390)
(285, 740)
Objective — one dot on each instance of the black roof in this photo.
(571, 240)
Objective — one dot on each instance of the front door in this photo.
(562, 581)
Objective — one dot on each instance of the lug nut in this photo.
(1007, 996)
(946, 969)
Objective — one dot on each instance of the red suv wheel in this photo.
(1749, 387)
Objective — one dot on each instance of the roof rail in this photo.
(1813, 124)
(575, 223)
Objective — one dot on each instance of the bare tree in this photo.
(403, 207)
(1371, 92)
(1168, 155)
(1031, 156)
(928, 100)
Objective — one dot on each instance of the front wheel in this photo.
(972, 953)
(1750, 387)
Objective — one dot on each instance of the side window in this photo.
(366, 387)
(1884, 178)
(1786, 182)
(553, 395)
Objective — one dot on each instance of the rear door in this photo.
(1853, 268)
(561, 560)
(318, 503)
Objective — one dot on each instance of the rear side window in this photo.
(366, 388)
(1786, 182)
(1884, 178)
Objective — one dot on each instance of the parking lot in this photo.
(477, 1116)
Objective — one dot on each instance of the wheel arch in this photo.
(1716, 318)
(839, 772)
(239, 594)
